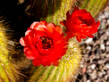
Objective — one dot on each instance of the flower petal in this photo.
(40, 27)
(63, 22)
(78, 38)
(75, 9)
(27, 32)
(50, 27)
(36, 62)
(56, 63)
(58, 29)
(22, 41)
(33, 24)
(30, 54)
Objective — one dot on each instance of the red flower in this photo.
(80, 24)
(44, 43)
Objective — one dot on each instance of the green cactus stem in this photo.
(57, 10)
(94, 6)
(8, 73)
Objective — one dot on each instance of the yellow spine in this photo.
(8, 72)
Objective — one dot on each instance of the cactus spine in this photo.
(93, 6)
(8, 72)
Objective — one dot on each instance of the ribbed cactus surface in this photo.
(8, 72)
(57, 10)
(93, 6)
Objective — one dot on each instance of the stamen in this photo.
(46, 42)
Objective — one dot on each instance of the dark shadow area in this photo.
(36, 9)
(20, 16)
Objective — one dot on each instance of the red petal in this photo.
(78, 38)
(28, 39)
(97, 23)
(36, 62)
(22, 41)
(43, 22)
(68, 14)
(40, 27)
(63, 22)
(33, 25)
(27, 32)
(58, 29)
(56, 63)
(50, 27)
(75, 9)
(83, 37)
(91, 36)
(30, 54)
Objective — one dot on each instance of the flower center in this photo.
(46, 42)
(84, 21)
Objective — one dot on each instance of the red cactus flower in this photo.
(80, 24)
(44, 43)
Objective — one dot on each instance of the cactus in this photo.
(8, 73)
(93, 6)
(57, 10)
